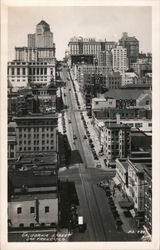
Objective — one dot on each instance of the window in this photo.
(32, 225)
(21, 225)
(147, 102)
(41, 71)
(18, 71)
(47, 209)
(149, 124)
(45, 71)
(24, 71)
(32, 210)
(19, 210)
(12, 71)
(37, 71)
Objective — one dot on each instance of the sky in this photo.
(65, 22)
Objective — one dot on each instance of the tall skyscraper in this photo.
(35, 63)
(119, 59)
(42, 38)
(132, 46)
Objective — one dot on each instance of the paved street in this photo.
(92, 199)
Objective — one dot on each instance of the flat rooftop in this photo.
(30, 197)
(30, 179)
(38, 159)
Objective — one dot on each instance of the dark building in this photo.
(132, 46)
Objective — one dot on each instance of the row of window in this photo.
(36, 135)
(37, 71)
(35, 129)
(35, 148)
(35, 123)
(32, 224)
(36, 142)
(32, 210)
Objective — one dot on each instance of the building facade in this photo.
(119, 59)
(33, 200)
(148, 199)
(34, 64)
(36, 133)
(89, 46)
(117, 141)
(132, 46)
(129, 78)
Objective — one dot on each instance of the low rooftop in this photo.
(38, 159)
(30, 179)
(125, 93)
(35, 196)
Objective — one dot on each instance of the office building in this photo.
(79, 46)
(132, 46)
(119, 59)
(34, 64)
(36, 133)
(117, 143)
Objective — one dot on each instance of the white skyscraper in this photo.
(119, 59)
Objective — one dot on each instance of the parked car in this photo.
(74, 137)
(98, 165)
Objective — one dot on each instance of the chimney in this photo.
(118, 118)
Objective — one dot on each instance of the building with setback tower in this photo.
(132, 46)
(34, 64)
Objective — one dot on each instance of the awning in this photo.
(132, 212)
(117, 182)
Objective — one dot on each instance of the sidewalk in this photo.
(129, 224)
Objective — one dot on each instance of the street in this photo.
(93, 206)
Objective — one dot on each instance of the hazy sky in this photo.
(65, 22)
